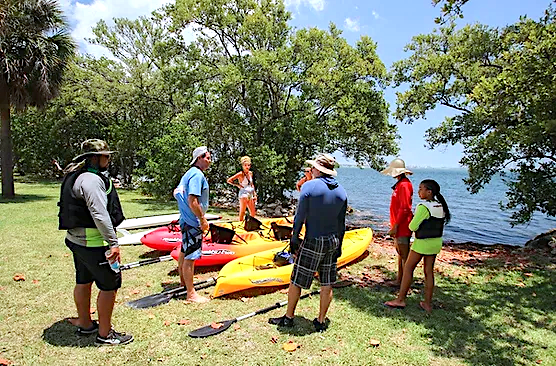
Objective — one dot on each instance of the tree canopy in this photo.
(449, 9)
(35, 48)
(248, 84)
(500, 84)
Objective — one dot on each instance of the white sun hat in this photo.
(324, 163)
(396, 167)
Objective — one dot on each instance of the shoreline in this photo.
(379, 228)
(472, 254)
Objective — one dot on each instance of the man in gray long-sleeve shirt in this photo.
(90, 210)
(322, 209)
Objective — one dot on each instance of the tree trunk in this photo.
(8, 190)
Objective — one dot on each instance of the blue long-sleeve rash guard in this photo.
(322, 208)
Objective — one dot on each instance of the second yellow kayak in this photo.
(259, 270)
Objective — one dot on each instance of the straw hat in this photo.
(324, 163)
(93, 147)
(200, 151)
(396, 167)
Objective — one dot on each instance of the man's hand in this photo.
(204, 224)
(114, 254)
(294, 245)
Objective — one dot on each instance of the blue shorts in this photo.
(191, 242)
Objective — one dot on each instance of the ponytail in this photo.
(442, 201)
(434, 187)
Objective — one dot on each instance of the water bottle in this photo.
(114, 263)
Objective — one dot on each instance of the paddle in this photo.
(165, 296)
(164, 258)
(217, 328)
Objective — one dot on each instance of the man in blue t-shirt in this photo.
(322, 209)
(192, 195)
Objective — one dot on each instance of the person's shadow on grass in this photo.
(302, 327)
(63, 334)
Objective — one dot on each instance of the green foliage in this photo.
(450, 9)
(248, 85)
(281, 93)
(35, 48)
(172, 152)
(501, 86)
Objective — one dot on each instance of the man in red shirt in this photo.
(400, 212)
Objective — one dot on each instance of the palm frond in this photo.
(35, 49)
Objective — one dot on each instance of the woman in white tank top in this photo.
(244, 181)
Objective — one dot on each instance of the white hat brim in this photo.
(394, 172)
(321, 168)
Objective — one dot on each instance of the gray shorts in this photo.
(402, 240)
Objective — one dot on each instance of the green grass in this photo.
(486, 317)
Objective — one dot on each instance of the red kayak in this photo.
(217, 254)
(165, 238)
(243, 243)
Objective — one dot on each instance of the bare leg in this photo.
(251, 207)
(428, 267)
(180, 268)
(82, 298)
(325, 300)
(187, 271)
(412, 261)
(242, 206)
(105, 305)
(403, 253)
(294, 292)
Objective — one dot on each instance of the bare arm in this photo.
(195, 206)
(300, 183)
(233, 178)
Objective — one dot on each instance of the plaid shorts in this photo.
(318, 254)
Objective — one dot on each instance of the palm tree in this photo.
(35, 49)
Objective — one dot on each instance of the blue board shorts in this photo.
(191, 242)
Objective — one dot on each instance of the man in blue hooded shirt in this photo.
(322, 209)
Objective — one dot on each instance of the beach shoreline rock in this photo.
(544, 241)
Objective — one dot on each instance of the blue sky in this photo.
(391, 24)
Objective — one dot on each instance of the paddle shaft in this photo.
(145, 262)
(275, 306)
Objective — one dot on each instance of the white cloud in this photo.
(318, 5)
(83, 17)
(352, 24)
(375, 14)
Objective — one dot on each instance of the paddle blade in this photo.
(153, 300)
(212, 329)
(165, 297)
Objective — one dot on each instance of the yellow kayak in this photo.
(259, 270)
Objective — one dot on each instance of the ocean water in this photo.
(477, 218)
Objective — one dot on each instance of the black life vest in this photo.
(433, 227)
(74, 212)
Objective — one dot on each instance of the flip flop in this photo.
(394, 306)
(423, 308)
